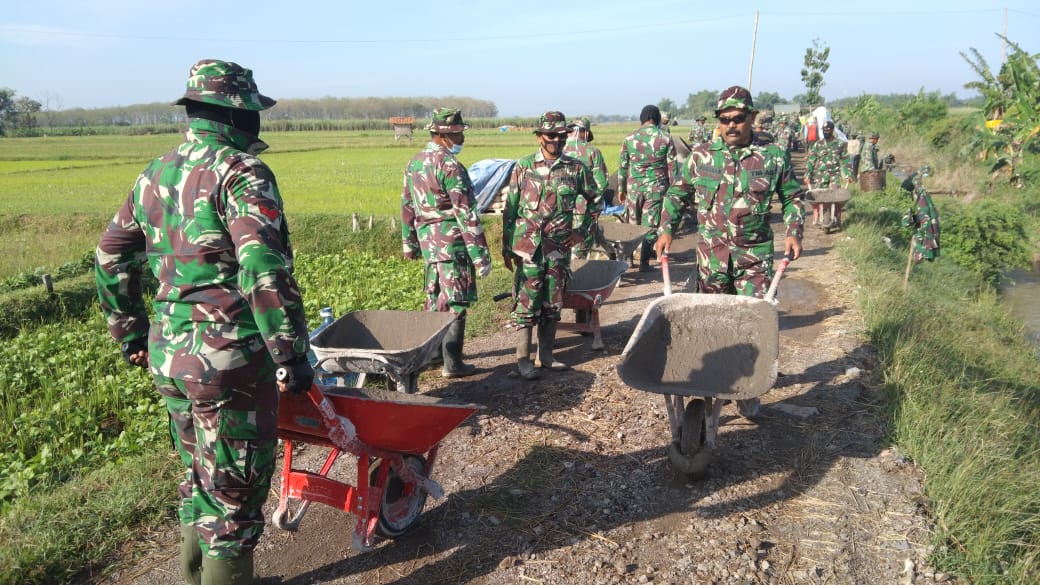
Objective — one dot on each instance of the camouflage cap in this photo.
(446, 121)
(875, 135)
(702, 118)
(585, 124)
(734, 97)
(665, 117)
(551, 123)
(224, 83)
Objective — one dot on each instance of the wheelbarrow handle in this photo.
(771, 293)
(665, 274)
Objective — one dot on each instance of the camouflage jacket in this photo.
(784, 137)
(597, 165)
(541, 202)
(731, 189)
(647, 162)
(827, 164)
(207, 219)
(438, 211)
(868, 158)
(700, 134)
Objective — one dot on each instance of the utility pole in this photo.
(1003, 46)
(754, 39)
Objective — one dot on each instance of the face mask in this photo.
(456, 148)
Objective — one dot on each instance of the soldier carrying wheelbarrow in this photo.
(540, 225)
(207, 219)
(731, 183)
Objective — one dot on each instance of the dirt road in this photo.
(567, 480)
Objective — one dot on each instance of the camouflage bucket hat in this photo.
(446, 121)
(585, 124)
(224, 83)
(702, 118)
(551, 123)
(875, 135)
(734, 97)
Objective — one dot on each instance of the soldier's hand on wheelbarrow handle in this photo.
(135, 352)
(295, 375)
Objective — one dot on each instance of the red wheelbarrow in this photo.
(591, 283)
(394, 436)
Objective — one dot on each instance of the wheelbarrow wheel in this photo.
(689, 455)
(402, 502)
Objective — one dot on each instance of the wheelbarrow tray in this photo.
(721, 346)
(381, 341)
(828, 195)
(620, 238)
(590, 279)
(406, 423)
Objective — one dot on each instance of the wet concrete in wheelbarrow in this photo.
(566, 480)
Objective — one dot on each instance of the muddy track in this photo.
(567, 480)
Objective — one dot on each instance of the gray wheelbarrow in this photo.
(590, 285)
(618, 240)
(831, 198)
(396, 344)
(708, 348)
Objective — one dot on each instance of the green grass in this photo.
(964, 388)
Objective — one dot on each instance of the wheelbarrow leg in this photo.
(597, 337)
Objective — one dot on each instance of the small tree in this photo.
(816, 65)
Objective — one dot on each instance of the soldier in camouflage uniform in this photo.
(540, 225)
(440, 225)
(206, 219)
(700, 132)
(922, 218)
(731, 183)
(827, 167)
(644, 171)
(870, 159)
(578, 146)
(784, 135)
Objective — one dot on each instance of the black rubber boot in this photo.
(191, 555)
(236, 571)
(645, 251)
(451, 349)
(523, 355)
(546, 339)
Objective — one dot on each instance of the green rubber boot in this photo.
(523, 355)
(191, 555)
(236, 571)
(546, 340)
(451, 349)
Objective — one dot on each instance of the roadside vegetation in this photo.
(85, 467)
(961, 376)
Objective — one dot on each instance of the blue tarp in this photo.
(488, 176)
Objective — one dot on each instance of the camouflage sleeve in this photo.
(256, 224)
(810, 165)
(460, 191)
(677, 197)
(409, 236)
(670, 161)
(599, 174)
(590, 202)
(846, 163)
(622, 172)
(509, 211)
(790, 192)
(119, 263)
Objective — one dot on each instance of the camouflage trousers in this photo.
(539, 285)
(727, 269)
(644, 209)
(226, 439)
(451, 285)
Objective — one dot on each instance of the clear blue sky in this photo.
(581, 57)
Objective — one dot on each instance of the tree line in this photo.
(23, 116)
